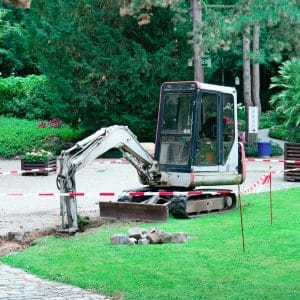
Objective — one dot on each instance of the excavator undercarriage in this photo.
(148, 204)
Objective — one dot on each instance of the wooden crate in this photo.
(30, 165)
(292, 152)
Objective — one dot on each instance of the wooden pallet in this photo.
(30, 165)
(292, 152)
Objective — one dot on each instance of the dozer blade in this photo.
(134, 211)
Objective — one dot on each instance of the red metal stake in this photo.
(241, 216)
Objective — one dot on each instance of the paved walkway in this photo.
(16, 284)
(263, 135)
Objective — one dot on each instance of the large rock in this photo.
(156, 236)
(143, 242)
(137, 233)
(165, 236)
(142, 237)
(120, 239)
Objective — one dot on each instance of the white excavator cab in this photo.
(197, 135)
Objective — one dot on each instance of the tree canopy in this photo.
(15, 57)
(102, 68)
(105, 60)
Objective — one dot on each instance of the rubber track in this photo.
(177, 206)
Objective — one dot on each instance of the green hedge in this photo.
(286, 134)
(25, 97)
(21, 136)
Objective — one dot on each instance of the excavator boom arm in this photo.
(87, 150)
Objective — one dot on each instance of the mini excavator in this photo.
(196, 149)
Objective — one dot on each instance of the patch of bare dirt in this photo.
(17, 241)
(9, 247)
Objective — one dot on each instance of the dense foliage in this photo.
(221, 32)
(25, 97)
(282, 132)
(15, 55)
(287, 99)
(21, 136)
(103, 69)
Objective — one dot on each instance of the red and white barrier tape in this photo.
(261, 181)
(14, 172)
(123, 161)
(297, 162)
(113, 194)
(266, 179)
(285, 171)
(17, 172)
(250, 159)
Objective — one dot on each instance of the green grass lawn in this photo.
(211, 265)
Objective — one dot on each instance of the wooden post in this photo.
(271, 208)
(241, 217)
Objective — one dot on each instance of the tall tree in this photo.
(103, 70)
(19, 3)
(143, 10)
(255, 68)
(196, 12)
(249, 18)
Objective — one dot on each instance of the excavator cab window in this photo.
(228, 132)
(216, 128)
(208, 148)
(176, 129)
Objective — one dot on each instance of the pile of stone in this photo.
(143, 236)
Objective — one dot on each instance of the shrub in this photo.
(21, 136)
(241, 117)
(252, 150)
(286, 134)
(279, 132)
(267, 120)
(38, 155)
(25, 97)
(276, 150)
(287, 100)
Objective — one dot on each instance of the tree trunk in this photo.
(255, 70)
(251, 138)
(196, 10)
(246, 68)
(19, 3)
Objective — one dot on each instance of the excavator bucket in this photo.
(134, 211)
